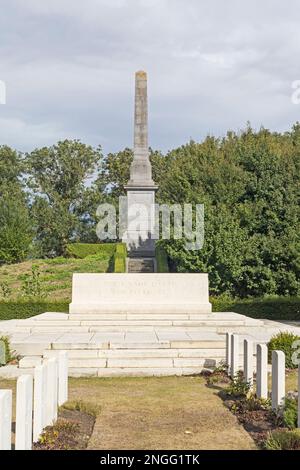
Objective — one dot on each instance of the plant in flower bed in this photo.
(238, 387)
(219, 375)
(71, 431)
(287, 415)
(283, 440)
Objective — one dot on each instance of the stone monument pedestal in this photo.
(140, 234)
(158, 293)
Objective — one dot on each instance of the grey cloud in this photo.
(213, 65)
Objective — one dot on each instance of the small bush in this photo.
(32, 286)
(239, 387)
(283, 440)
(252, 403)
(287, 414)
(5, 290)
(82, 250)
(284, 341)
(8, 353)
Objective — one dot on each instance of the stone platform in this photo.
(131, 344)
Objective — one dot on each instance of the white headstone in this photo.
(235, 355)
(228, 351)
(52, 391)
(24, 413)
(248, 361)
(262, 371)
(278, 378)
(39, 400)
(5, 419)
(62, 377)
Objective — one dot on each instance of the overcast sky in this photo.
(212, 65)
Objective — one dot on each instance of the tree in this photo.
(10, 167)
(15, 226)
(58, 178)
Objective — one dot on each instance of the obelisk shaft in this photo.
(141, 116)
(140, 170)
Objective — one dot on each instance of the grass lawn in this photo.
(56, 274)
(157, 413)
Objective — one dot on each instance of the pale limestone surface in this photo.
(140, 293)
(139, 235)
(129, 346)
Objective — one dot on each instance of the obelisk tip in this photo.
(141, 74)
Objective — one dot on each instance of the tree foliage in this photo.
(58, 177)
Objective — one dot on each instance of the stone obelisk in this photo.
(141, 188)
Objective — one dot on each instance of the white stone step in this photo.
(139, 353)
(135, 372)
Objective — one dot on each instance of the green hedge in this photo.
(284, 341)
(161, 260)
(279, 308)
(120, 258)
(24, 309)
(82, 250)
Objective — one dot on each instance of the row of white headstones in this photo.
(278, 369)
(37, 400)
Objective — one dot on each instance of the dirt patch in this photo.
(256, 416)
(258, 423)
(72, 431)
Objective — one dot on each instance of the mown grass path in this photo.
(159, 413)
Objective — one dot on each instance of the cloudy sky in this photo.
(213, 65)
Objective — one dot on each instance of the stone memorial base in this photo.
(134, 325)
(140, 293)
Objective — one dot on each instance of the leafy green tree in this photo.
(249, 184)
(15, 225)
(59, 177)
(10, 166)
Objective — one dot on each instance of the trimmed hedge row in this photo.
(273, 309)
(82, 250)
(10, 310)
(120, 258)
(161, 260)
(279, 308)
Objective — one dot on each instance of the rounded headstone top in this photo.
(141, 74)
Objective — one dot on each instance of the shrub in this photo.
(284, 341)
(82, 250)
(15, 229)
(239, 387)
(31, 286)
(161, 259)
(287, 415)
(5, 290)
(283, 440)
(8, 354)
